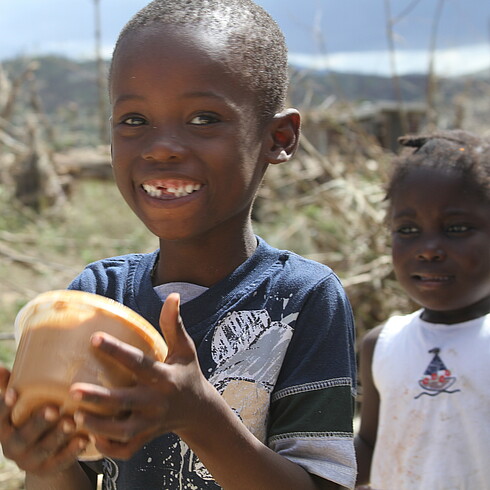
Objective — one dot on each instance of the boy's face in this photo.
(441, 252)
(188, 155)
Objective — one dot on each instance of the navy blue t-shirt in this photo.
(276, 339)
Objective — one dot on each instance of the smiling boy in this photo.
(257, 389)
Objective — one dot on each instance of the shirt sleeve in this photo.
(312, 406)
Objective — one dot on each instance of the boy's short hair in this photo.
(255, 43)
(449, 150)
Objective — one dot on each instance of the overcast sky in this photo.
(346, 35)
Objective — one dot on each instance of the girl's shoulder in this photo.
(390, 328)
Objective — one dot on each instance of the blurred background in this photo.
(363, 72)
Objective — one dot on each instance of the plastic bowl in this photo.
(54, 350)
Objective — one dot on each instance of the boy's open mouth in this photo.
(173, 188)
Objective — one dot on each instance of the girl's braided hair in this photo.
(449, 150)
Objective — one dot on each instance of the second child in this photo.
(425, 413)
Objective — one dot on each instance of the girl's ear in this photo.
(284, 132)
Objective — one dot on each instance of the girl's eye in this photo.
(204, 119)
(458, 229)
(134, 121)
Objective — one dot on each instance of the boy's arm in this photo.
(366, 437)
(238, 460)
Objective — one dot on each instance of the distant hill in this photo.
(357, 87)
(60, 81)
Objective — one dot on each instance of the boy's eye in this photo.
(204, 119)
(134, 121)
(407, 230)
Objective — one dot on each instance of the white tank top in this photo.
(434, 420)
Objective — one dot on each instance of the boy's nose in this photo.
(162, 146)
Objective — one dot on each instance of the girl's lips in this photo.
(432, 277)
(432, 280)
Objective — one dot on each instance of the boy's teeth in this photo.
(181, 191)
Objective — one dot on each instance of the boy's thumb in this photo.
(171, 324)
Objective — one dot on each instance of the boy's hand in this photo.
(45, 443)
(166, 397)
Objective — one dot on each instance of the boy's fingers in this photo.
(111, 402)
(122, 429)
(54, 443)
(67, 455)
(129, 356)
(119, 437)
(172, 327)
(34, 429)
(44, 460)
(178, 341)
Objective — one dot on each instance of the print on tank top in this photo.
(437, 378)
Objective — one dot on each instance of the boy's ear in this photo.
(284, 132)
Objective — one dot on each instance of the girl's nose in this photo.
(162, 145)
(431, 254)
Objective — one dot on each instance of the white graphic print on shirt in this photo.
(248, 349)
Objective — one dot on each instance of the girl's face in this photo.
(188, 155)
(441, 245)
